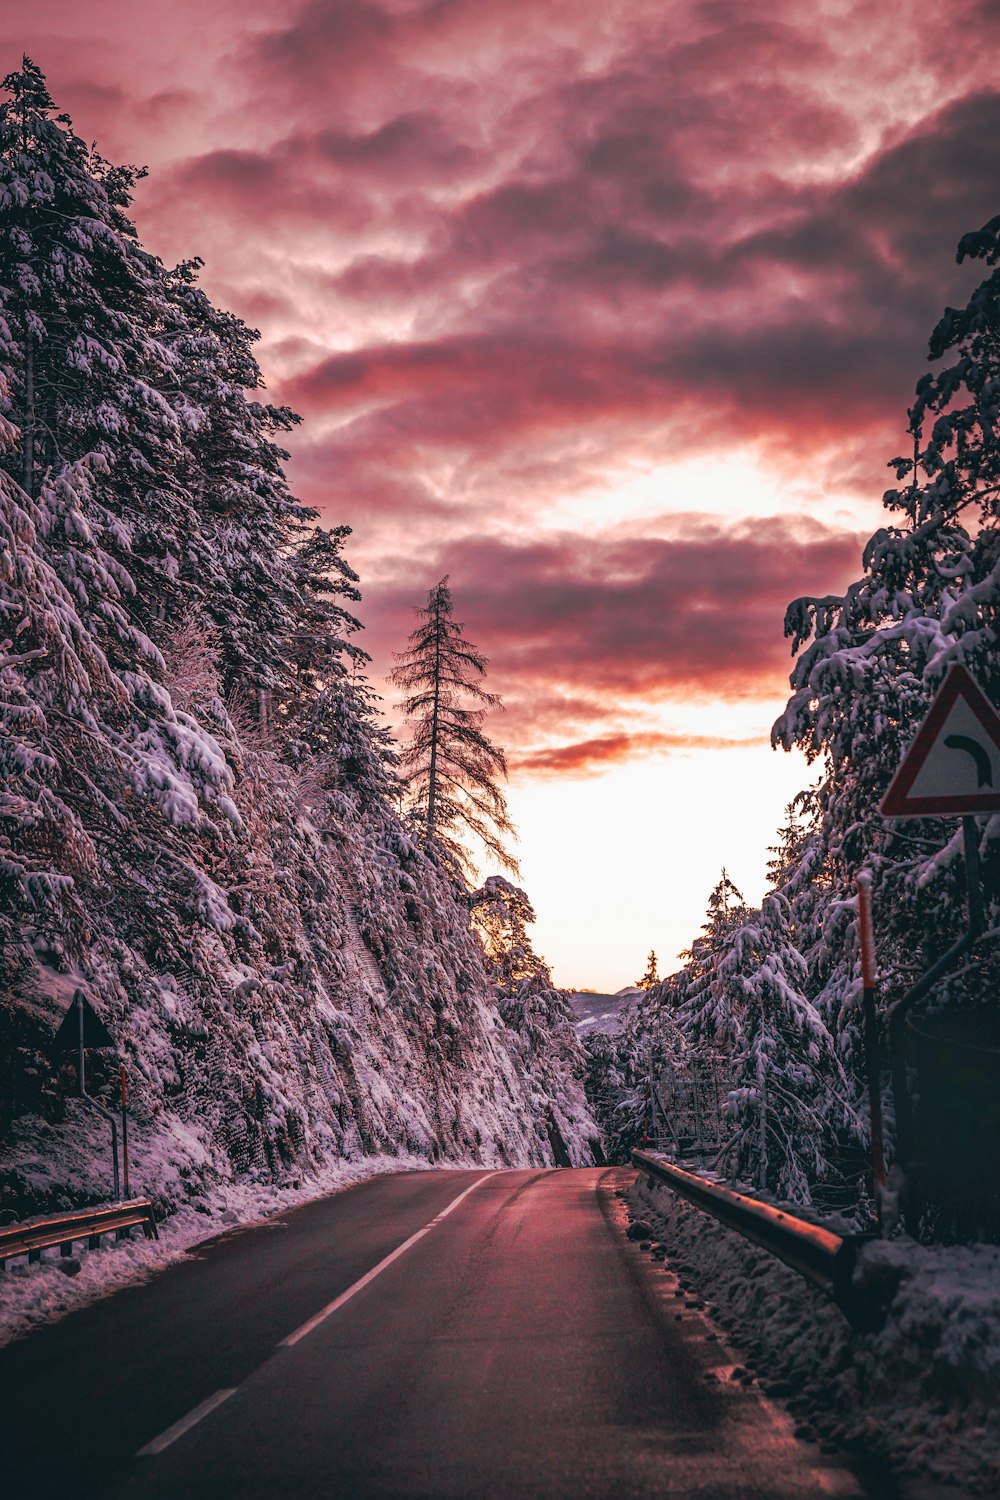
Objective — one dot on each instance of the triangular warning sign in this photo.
(95, 1033)
(953, 766)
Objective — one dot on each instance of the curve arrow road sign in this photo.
(952, 769)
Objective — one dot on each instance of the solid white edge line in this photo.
(185, 1424)
(337, 1302)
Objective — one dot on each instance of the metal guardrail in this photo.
(825, 1259)
(36, 1235)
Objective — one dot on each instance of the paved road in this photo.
(445, 1334)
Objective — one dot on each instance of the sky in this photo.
(611, 312)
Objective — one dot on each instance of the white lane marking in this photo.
(337, 1302)
(185, 1424)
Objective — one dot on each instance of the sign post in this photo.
(867, 935)
(952, 769)
(81, 1028)
(124, 1130)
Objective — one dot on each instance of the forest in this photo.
(200, 808)
(205, 825)
(764, 1018)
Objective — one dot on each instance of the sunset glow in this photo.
(611, 315)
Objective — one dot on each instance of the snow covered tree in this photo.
(726, 908)
(869, 662)
(789, 1097)
(501, 915)
(453, 772)
(253, 563)
(624, 1065)
(84, 363)
(197, 817)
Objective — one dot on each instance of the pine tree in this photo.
(85, 364)
(452, 770)
(869, 662)
(196, 816)
(651, 976)
(501, 914)
(789, 1097)
(253, 563)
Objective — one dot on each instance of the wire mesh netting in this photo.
(687, 1109)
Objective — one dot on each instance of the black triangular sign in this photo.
(95, 1033)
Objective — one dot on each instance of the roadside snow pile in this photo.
(32, 1295)
(921, 1393)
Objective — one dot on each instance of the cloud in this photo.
(503, 255)
(612, 624)
(590, 757)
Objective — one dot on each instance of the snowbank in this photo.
(921, 1393)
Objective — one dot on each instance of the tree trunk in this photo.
(28, 421)
(432, 773)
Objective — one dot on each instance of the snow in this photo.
(198, 817)
(921, 1393)
(31, 1295)
(604, 1013)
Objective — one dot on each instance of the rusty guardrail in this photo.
(36, 1235)
(825, 1259)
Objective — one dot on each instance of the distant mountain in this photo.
(602, 1012)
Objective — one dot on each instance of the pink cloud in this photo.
(589, 757)
(499, 250)
(586, 627)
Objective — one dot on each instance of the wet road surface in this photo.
(445, 1335)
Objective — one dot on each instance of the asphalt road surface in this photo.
(456, 1334)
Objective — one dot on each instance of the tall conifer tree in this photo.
(452, 770)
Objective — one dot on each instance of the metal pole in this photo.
(124, 1129)
(970, 838)
(81, 1081)
(79, 998)
(872, 1065)
(699, 1133)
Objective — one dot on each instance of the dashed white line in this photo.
(185, 1424)
(352, 1291)
(194, 1417)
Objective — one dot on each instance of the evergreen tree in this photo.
(196, 817)
(501, 914)
(85, 361)
(651, 976)
(869, 662)
(253, 563)
(451, 769)
(726, 909)
(789, 1097)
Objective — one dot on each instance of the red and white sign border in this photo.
(897, 802)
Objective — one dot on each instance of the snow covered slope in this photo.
(197, 797)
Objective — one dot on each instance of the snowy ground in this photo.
(922, 1393)
(34, 1294)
